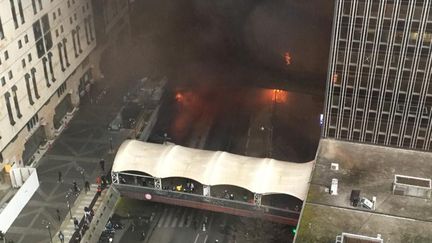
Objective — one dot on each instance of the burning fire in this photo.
(276, 95)
(288, 58)
(179, 97)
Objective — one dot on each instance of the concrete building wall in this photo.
(35, 73)
(378, 86)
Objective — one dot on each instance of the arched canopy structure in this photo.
(263, 176)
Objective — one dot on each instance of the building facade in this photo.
(378, 85)
(44, 63)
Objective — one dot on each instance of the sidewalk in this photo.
(76, 153)
(83, 200)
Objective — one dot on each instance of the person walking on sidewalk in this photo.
(75, 187)
(102, 164)
(61, 237)
(87, 186)
(58, 215)
(75, 220)
(60, 179)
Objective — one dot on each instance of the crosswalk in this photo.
(179, 217)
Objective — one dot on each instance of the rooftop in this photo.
(370, 169)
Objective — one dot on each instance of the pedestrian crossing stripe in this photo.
(181, 218)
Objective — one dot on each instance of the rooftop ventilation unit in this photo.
(412, 186)
(352, 238)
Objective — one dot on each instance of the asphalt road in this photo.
(172, 224)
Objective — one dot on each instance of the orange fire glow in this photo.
(280, 96)
(288, 59)
(179, 97)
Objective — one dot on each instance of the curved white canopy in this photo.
(264, 176)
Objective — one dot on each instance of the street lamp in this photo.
(47, 226)
(82, 172)
(111, 145)
(269, 141)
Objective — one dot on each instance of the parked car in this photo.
(366, 203)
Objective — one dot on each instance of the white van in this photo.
(366, 203)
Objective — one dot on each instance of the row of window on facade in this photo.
(392, 140)
(36, 5)
(44, 44)
(389, 9)
(381, 125)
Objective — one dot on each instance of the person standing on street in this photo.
(102, 164)
(87, 186)
(60, 179)
(76, 223)
(58, 215)
(61, 237)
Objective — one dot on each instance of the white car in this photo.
(366, 203)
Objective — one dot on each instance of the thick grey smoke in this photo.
(238, 41)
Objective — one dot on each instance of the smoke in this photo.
(236, 41)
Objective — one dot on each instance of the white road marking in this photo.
(196, 238)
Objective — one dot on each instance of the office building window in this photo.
(86, 30)
(50, 55)
(74, 43)
(10, 74)
(23, 61)
(33, 122)
(12, 5)
(83, 9)
(41, 30)
(21, 12)
(9, 108)
(78, 38)
(29, 94)
(6, 55)
(59, 12)
(34, 6)
(44, 62)
(70, 20)
(33, 74)
(40, 4)
(3, 81)
(61, 89)
(65, 52)
(61, 29)
(19, 44)
(26, 39)
(56, 33)
(15, 98)
(68, 3)
(59, 46)
(29, 57)
(90, 27)
(2, 35)
(75, 16)
(54, 16)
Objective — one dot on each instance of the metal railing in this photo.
(129, 185)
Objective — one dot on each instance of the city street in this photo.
(179, 225)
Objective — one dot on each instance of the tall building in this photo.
(44, 66)
(378, 87)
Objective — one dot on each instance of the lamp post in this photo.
(47, 226)
(82, 172)
(111, 145)
(269, 141)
